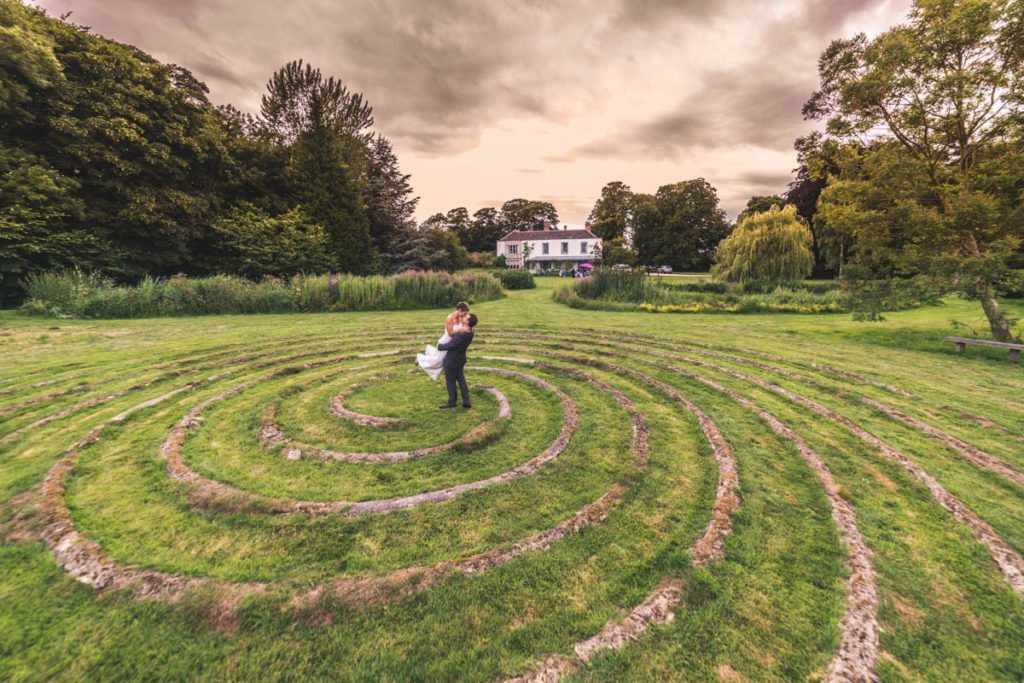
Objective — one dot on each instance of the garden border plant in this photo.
(75, 294)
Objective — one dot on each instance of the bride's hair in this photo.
(462, 306)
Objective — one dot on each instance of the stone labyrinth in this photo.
(319, 469)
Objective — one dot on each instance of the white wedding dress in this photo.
(432, 360)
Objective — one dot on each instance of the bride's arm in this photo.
(452, 322)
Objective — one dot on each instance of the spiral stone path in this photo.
(315, 470)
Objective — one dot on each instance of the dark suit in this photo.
(454, 363)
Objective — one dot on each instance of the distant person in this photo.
(455, 364)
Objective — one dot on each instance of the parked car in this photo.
(620, 266)
(664, 269)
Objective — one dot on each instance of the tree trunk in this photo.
(996, 318)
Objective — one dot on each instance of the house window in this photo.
(513, 248)
(583, 247)
(544, 248)
(565, 247)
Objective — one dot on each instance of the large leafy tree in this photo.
(680, 226)
(947, 90)
(325, 128)
(803, 192)
(485, 230)
(128, 151)
(768, 246)
(610, 216)
(112, 161)
(761, 203)
(456, 221)
(299, 100)
(528, 214)
(252, 243)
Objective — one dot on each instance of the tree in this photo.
(527, 214)
(527, 250)
(485, 230)
(811, 178)
(426, 248)
(611, 213)
(760, 204)
(124, 153)
(299, 101)
(249, 242)
(614, 251)
(770, 246)
(456, 221)
(324, 127)
(388, 194)
(946, 89)
(680, 226)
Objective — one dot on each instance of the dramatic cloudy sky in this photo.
(486, 100)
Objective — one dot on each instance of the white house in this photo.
(548, 249)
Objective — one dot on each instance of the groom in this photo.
(455, 362)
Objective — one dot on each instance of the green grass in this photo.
(768, 610)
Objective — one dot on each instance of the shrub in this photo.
(516, 279)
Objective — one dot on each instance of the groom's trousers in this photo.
(453, 376)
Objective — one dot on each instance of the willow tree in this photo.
(772, 246)
(947, 90)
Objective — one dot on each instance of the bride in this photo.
(431, 359)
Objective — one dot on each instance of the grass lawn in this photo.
(549, 527)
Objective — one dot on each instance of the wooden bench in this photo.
(962, 342)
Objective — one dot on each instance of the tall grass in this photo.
(74, 294)
(630, 290)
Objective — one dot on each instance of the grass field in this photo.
(671, 497)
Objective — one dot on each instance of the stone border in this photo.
(85, 561)
(1009, 561)
(271, 435)
(858, 627)
(658, 608)
(169, 375)
(974, 455)
(208, 493)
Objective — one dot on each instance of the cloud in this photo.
(485, 98)
(765, 179)
(571, 209)
(756, 102)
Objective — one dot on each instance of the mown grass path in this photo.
(632, 496)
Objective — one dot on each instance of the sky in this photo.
(489, 100)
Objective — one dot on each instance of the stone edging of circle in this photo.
(271, 435)
(205, 492)
(85, 561)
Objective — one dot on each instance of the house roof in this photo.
(544, 235)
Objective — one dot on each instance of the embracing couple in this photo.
(450, 354)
